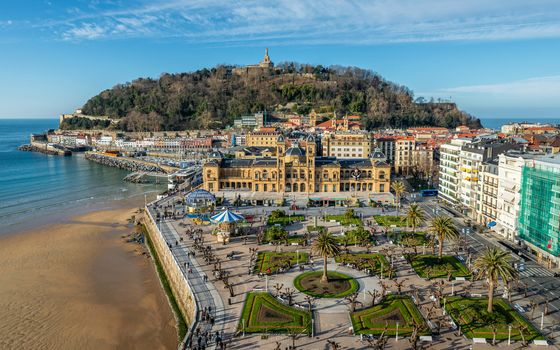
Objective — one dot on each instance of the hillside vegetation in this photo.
(212, 98)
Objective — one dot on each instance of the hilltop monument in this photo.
(263, 67)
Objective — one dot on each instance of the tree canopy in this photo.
(212, 98)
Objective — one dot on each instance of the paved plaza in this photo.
(331, 316)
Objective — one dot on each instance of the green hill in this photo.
(212, 98)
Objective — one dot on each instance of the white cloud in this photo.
(85, 31)
(319, 21)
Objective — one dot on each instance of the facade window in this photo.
(257, 187)
(382, 188)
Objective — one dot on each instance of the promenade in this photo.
(208, 299)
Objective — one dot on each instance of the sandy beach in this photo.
(80, 285)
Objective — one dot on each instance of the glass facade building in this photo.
(539, 217)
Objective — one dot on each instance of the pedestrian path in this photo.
(206, 295)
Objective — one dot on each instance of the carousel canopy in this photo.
(226, 216)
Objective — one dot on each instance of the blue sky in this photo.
(494, 58)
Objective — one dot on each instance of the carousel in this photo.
(226, 222)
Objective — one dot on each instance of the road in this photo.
(541, 283)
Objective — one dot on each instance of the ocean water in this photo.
(496, 123)
(37, 188)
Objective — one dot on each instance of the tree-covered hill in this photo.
(212, 98)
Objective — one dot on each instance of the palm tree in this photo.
(399, 188)
(494, 264)
(325, 246)
(414, 216)
(443, 228)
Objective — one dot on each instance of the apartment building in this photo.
(489, 176)
(510, 166)
(539, 213)
(449, 173)
(347, 145)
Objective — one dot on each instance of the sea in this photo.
(496, 123)
(41, 189)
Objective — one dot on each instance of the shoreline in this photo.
(80, 284)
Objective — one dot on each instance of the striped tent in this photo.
(226, 216)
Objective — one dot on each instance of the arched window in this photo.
(369, 174)
(257, 174)
(302, 187)
(288, 187)
(381, 175)
(265, 174)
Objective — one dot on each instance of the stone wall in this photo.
(179, 284)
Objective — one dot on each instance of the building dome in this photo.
(216, 155)
(295, 151)
(200, 199)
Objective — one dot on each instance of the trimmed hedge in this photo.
(364, 261)
(354, 285)
(420, 262)
(370, 320)
(264, 260)
(409, 239)
(472, 316)
(299, 320)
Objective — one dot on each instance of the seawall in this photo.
(124, 163)
(43, 147)
(184, 296)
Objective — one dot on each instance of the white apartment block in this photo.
(449, 171)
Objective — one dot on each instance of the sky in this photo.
(496, 59)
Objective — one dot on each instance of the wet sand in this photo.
(80, 285)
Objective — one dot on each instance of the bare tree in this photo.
(374, 294)
(278, 287)
(289, 294)
(310, 302)
(352, 300)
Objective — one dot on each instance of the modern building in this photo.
(255, 121)
(510, 166)
(296, 169)
(387, 145)
(539, 215)
(471, 157)
(449, 171)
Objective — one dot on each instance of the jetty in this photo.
(45, 148)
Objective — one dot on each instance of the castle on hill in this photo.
(264, 66)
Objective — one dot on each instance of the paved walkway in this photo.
(207, 297)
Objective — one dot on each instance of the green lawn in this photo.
(475, 321)
(284, 220)
(273, 260)
(343, 220)
(409, 239)
(430, 266)
(391, 309)
(362, 261)
(262, 313)
(333, 276)
(388, 220)
(279, 235)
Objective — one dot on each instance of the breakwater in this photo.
(124, 163)
(45, 149)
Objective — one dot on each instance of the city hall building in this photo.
(296, 170)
